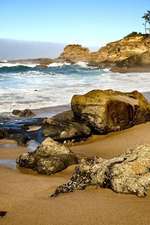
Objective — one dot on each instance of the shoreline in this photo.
(24, 194)
(50, 111)
(22, 191)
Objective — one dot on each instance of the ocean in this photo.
(27, 86)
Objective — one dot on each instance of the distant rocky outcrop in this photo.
(75, 53)
(49, 158)
(133, 44)
(135, 63)
(39, 62)
(128, 173)
(131, 51)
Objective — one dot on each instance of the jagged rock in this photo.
(49, 158)
(134, 63)
(64, 127)
(124, 48)
(23, 113)
(17, 134)
(75, 53)
(108, 110)
(128, 173)
(18, 129)
(113, 54)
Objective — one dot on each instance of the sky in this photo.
(89, 22)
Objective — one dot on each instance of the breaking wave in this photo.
(26, 86)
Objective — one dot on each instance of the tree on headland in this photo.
(146, 18)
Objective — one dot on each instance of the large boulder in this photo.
(128, 173)
(49, 158)
(108, 110)
(64, 127)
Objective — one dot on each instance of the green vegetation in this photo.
(146, 18)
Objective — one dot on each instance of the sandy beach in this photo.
(24, 194)
(75, 112)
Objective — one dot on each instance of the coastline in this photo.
(75, 117)
(50, 111)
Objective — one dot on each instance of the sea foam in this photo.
(6, 64)
(54, 86)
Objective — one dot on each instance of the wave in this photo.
(15, 69)
(27, 86)
(59, 64)
(82, 64)
(58, 68)
(6, 64)
(33, 65)
(106, 70)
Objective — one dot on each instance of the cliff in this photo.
(131, 51)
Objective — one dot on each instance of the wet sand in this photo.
(25, 195)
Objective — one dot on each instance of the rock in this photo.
(51, 148)
(134, 63)
(23, 113)
(17, 134)
(128, 173)
(120, 50)
(50, 157)
(114, 54)
(74, 53)
(64, 127)
(3, 213)
(39, 62)
(18, 130)
(108, 110)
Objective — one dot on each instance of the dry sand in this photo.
(113, 144)
(25, 195)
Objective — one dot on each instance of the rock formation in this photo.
(134, 63)
(106, 111)
(133, 44)
(132, 50)
(18, 129)
(49, 158)
(128, 173)
(75, 53)
(131, 53)
(64, 127)
(97, 112)
(23, 113)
